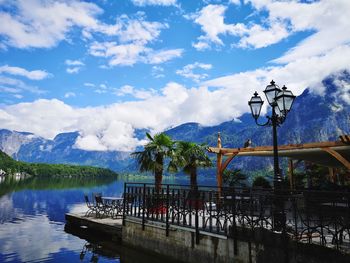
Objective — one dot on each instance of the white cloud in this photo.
(19, 85)
(39, 114)
(69, 62)
(136, 93)
(158, 57)
(328, 19)
(38, 25)
(125, 55)
(343, 91)
(323, 19)
(17, 71)
(157, 72)
(126, 89)
(258, 37)
(88, 84)
(132, 53)
(201, 45)
(102, 89)
(74, 66)
(90, 143)
(235, 2)
(187, 71)
(211, 20)
(138, 30)
(74, 70)
(69, 95)
(5, 89)
(114, 128)
(154, 2)
(134, 37)
(318, 16)
(297, 75)
(18, 96)
(251, 35)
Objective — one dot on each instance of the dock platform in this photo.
(101, 226)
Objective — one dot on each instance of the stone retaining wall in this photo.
(251, 246)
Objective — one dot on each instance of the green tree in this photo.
(234, 178)
(261, 181)
(191, 156)
(152, 158)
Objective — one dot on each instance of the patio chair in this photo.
(92, 208)
(103, 209)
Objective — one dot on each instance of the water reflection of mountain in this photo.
(12, 184)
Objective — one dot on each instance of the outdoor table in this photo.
(116, 203)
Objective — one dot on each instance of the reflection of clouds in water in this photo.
(7, 211)
(35, 238)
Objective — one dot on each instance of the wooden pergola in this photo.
(331, 154)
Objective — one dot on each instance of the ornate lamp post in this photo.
(281, 101)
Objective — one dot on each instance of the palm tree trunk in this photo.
(158, 173)
(196, 203)
(158, 181)
(194, 185)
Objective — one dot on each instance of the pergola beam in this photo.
(226, 163)
(338, 156)
(230, 151)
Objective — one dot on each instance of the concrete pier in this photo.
(102, 226)
(180, 244)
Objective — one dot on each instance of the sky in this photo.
(108, 68)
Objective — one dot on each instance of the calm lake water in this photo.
(32, 223)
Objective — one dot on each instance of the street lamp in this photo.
(281, 101)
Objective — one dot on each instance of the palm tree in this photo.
(191, 156)
(151, 159)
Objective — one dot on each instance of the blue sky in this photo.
(105, 68)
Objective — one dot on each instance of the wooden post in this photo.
(291, 173)
(219, 163)
(331, 174)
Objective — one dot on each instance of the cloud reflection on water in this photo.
(35, 238)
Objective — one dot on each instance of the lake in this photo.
(32, 221)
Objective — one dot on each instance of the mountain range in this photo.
(313, 118)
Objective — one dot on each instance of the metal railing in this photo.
(320, 217)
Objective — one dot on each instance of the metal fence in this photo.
(320, 217)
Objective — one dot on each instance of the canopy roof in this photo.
(330, 154)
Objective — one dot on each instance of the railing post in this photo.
(143, 206)
(167, 211)
(161, 201)
(124, 203)
(210, 211)
(234, 227)
(295, 216)
(184, 207)
(204, 208)
(197, 220)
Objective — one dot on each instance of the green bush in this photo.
(261, 181)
